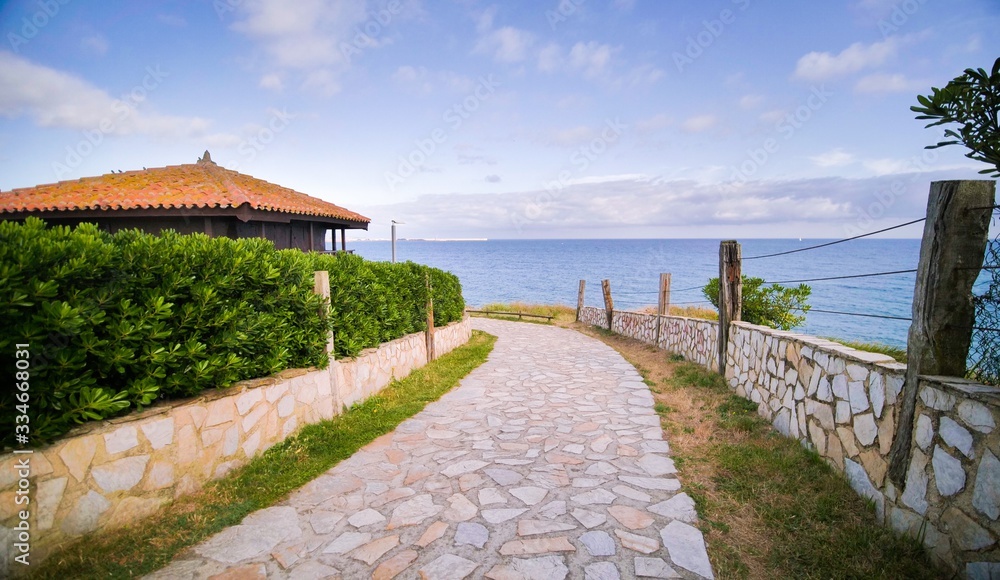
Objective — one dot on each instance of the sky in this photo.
(519, 119)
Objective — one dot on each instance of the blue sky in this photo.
(579, 118)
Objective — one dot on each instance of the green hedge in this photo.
(116, 322)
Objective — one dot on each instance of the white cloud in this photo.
(571, 137)
(833, 158)
(507, 44)
(322, 81)
(550, 58)
(484, 23)
(592, 59)
(417, 79)
(632, 205)
(493, 179)
(57, 99)
(172, 20)
(773, 116)
(653, 124)
(271, 82)
(751, 101)
(318, 38)
(821, 66)
(880, 83)
(96, 44)
(699, 124)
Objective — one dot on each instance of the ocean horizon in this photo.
(548, 271)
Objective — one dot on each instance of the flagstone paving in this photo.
(546, 462)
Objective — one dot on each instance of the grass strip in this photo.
(266, 480)
(897, 353)
(768, 507)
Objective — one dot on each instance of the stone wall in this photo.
(107, 474)
(693, 338)
(843, 403)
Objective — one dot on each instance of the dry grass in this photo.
(768, 508)
(561, 313)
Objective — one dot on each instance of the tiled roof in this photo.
(196, 185)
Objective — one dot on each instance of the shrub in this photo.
(773, 305)
(116, 322)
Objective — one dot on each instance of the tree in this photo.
(775, 306)
(973, 101)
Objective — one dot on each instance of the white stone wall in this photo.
(107, 474)
(693, 338)
(594, 316)
(843, 403)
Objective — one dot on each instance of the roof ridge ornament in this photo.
(206, 158)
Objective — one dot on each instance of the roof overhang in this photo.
(243, 213)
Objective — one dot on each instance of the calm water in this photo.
(548, 271)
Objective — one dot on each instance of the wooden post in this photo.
(343, 239)
(730, 294)
(321, 286)
(609, 305)
(430, 318)
(579, 299)
(663, 305)
(955, 236)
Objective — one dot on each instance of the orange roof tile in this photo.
(195, 185)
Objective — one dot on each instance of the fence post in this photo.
(430, 318)
(663, 305)
(951, 251)
(321, 286)
(609, 305)
(730, 294)
(579, 299)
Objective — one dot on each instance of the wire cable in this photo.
(835, 242)
(858, 314)
(845, 277)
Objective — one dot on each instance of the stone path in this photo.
(546, 462)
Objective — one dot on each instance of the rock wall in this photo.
(843, 403)
(107, 474)
(693, 338)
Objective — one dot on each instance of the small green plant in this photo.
(972, 101)
(774, 305)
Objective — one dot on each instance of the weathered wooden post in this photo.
(609, 305)
(430, 318)
(321, 286)
(955, 236)
(730, 294)
(663, 304)
(579, 299)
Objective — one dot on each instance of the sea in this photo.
(549, 271)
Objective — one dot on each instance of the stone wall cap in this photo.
(985, 393)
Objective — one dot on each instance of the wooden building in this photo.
(197, 197)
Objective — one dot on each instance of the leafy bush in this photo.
(972, 100)
(773, 305)
(116, 322)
